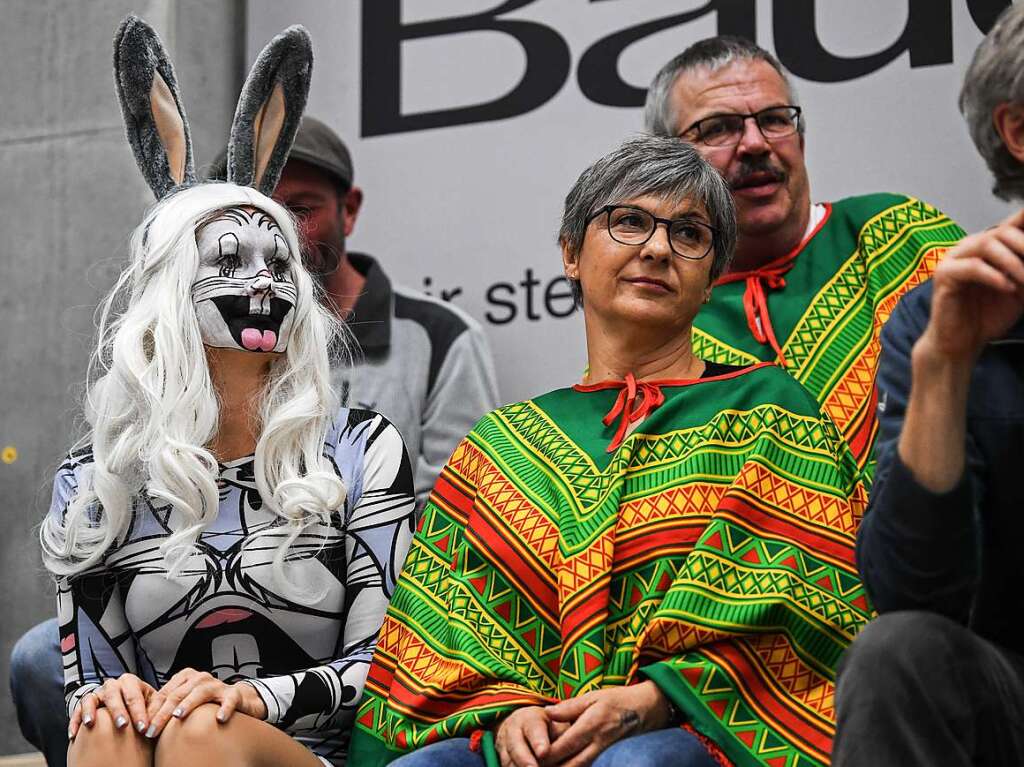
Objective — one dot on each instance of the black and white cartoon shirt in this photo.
(224, 614)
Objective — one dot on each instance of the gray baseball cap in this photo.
(315, 143)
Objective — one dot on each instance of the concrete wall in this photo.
(69, 195)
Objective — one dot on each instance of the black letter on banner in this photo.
(494, 300)
(547, 66)
(598, 71)
(985, 12)
(928, 36)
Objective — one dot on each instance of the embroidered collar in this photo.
(638, 399)
(770, 276)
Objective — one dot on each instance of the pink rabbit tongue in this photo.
(259, 340)
(244, 293)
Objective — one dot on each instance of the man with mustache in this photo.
(811, 283)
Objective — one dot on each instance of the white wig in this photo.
(152, 408)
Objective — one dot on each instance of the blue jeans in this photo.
(672, 747)
(37, 687)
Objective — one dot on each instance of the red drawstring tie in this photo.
(638, 399)
(627, 405)
(769, 277)
(755, 299)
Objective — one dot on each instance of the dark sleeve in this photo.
(916, 550)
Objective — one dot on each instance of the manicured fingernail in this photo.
(87, 718)
(177, 713)
(71, 735)
(120, 722)
(151, 731)
(140, 725)
(221, 716)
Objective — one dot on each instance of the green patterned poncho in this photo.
(819, 310)
(711, 551)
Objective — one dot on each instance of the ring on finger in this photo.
(86, 716)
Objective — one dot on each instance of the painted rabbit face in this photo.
(244, 292)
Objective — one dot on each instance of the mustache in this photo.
(755, 166)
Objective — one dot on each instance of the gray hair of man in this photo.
(712, 54)
(996, 76)
(650, 166)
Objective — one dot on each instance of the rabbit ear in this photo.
(269, 110)
(154, 117)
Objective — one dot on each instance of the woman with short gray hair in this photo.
(653, 166)
(653, 566)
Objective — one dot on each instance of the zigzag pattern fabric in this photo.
(712, 552)
(842, 287)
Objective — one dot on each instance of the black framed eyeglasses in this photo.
(629, 225)
(727, 129)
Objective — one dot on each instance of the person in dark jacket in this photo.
(938, 677)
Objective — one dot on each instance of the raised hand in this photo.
(977, 296)
(978, 291)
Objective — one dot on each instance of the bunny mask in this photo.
(243, 291)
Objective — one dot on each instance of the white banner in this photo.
(468, 121)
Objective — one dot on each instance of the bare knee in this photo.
(103, 744)
(99, 736)
(199, 732)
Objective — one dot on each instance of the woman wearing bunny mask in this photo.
(225, 538)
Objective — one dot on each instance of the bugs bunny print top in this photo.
(225, 613)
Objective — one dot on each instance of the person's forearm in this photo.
(932, 443)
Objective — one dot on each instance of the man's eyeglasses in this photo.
(687, 237)
(727, 130)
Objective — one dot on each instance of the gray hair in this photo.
(650, 165)
(996, 76)
(712, 53)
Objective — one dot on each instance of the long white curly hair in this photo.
(151, 407)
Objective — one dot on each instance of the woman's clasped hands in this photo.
(130, 699)
(574, 732)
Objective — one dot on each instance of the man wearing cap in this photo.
(422, 363)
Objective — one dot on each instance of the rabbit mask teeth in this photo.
(244, 292)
